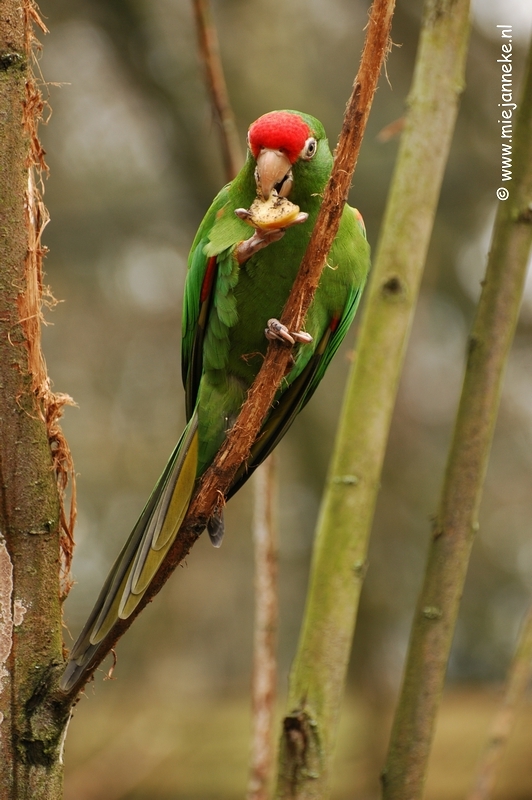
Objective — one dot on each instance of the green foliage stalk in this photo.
(339, 560)
(30, 594)
(457, 519)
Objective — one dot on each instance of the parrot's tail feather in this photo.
(74, 669)
(142, 555)
(173, 505)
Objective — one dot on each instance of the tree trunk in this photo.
(30, 603)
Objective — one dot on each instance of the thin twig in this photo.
(264, 682)
(214, 484)
(264, 660)
(210, 54)
(517, 683)
(264, 533)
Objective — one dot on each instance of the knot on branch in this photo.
(8, 60)
(393, 287)
(432, 612)
(526, 215)
(302, 748)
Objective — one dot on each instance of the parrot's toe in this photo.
(276, 331)
(258, 241)
(302, 336)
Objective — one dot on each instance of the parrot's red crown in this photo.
(279, 130)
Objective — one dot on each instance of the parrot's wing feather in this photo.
(193, 323)
(219, 232)
(296, 396)
(142, 554)
(333, 343)
(201, 278)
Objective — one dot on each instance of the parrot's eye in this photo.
(309, 149)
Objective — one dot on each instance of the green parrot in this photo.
(238, 280)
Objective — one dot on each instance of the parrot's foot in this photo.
(258, 241)
(261, 238)
(276, 331)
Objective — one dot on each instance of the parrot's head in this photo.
(291, 153)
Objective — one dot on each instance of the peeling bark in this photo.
(30, 516)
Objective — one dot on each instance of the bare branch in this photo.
(264, 683)
(210, 54)
(517, 683)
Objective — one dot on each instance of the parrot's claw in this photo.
(276, 331)
(262, 237)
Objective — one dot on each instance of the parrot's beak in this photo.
(273, 172)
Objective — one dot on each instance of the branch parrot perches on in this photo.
(237, 284)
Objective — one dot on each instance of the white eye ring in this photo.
(310, 149)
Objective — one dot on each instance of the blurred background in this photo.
(135, 162)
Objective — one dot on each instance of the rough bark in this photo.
(30, 527)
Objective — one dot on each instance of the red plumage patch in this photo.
(279, 130)
(334, 324)
(208, 279)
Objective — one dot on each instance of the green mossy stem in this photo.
(318, 674)
(457, 519)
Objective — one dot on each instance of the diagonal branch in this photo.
(209, 496)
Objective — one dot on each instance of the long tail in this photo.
(142, 554)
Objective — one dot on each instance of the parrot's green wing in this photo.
(293, 399)
(196, 301)
(350, 246)
(218, 235)
(163, 514)
(208, 264)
